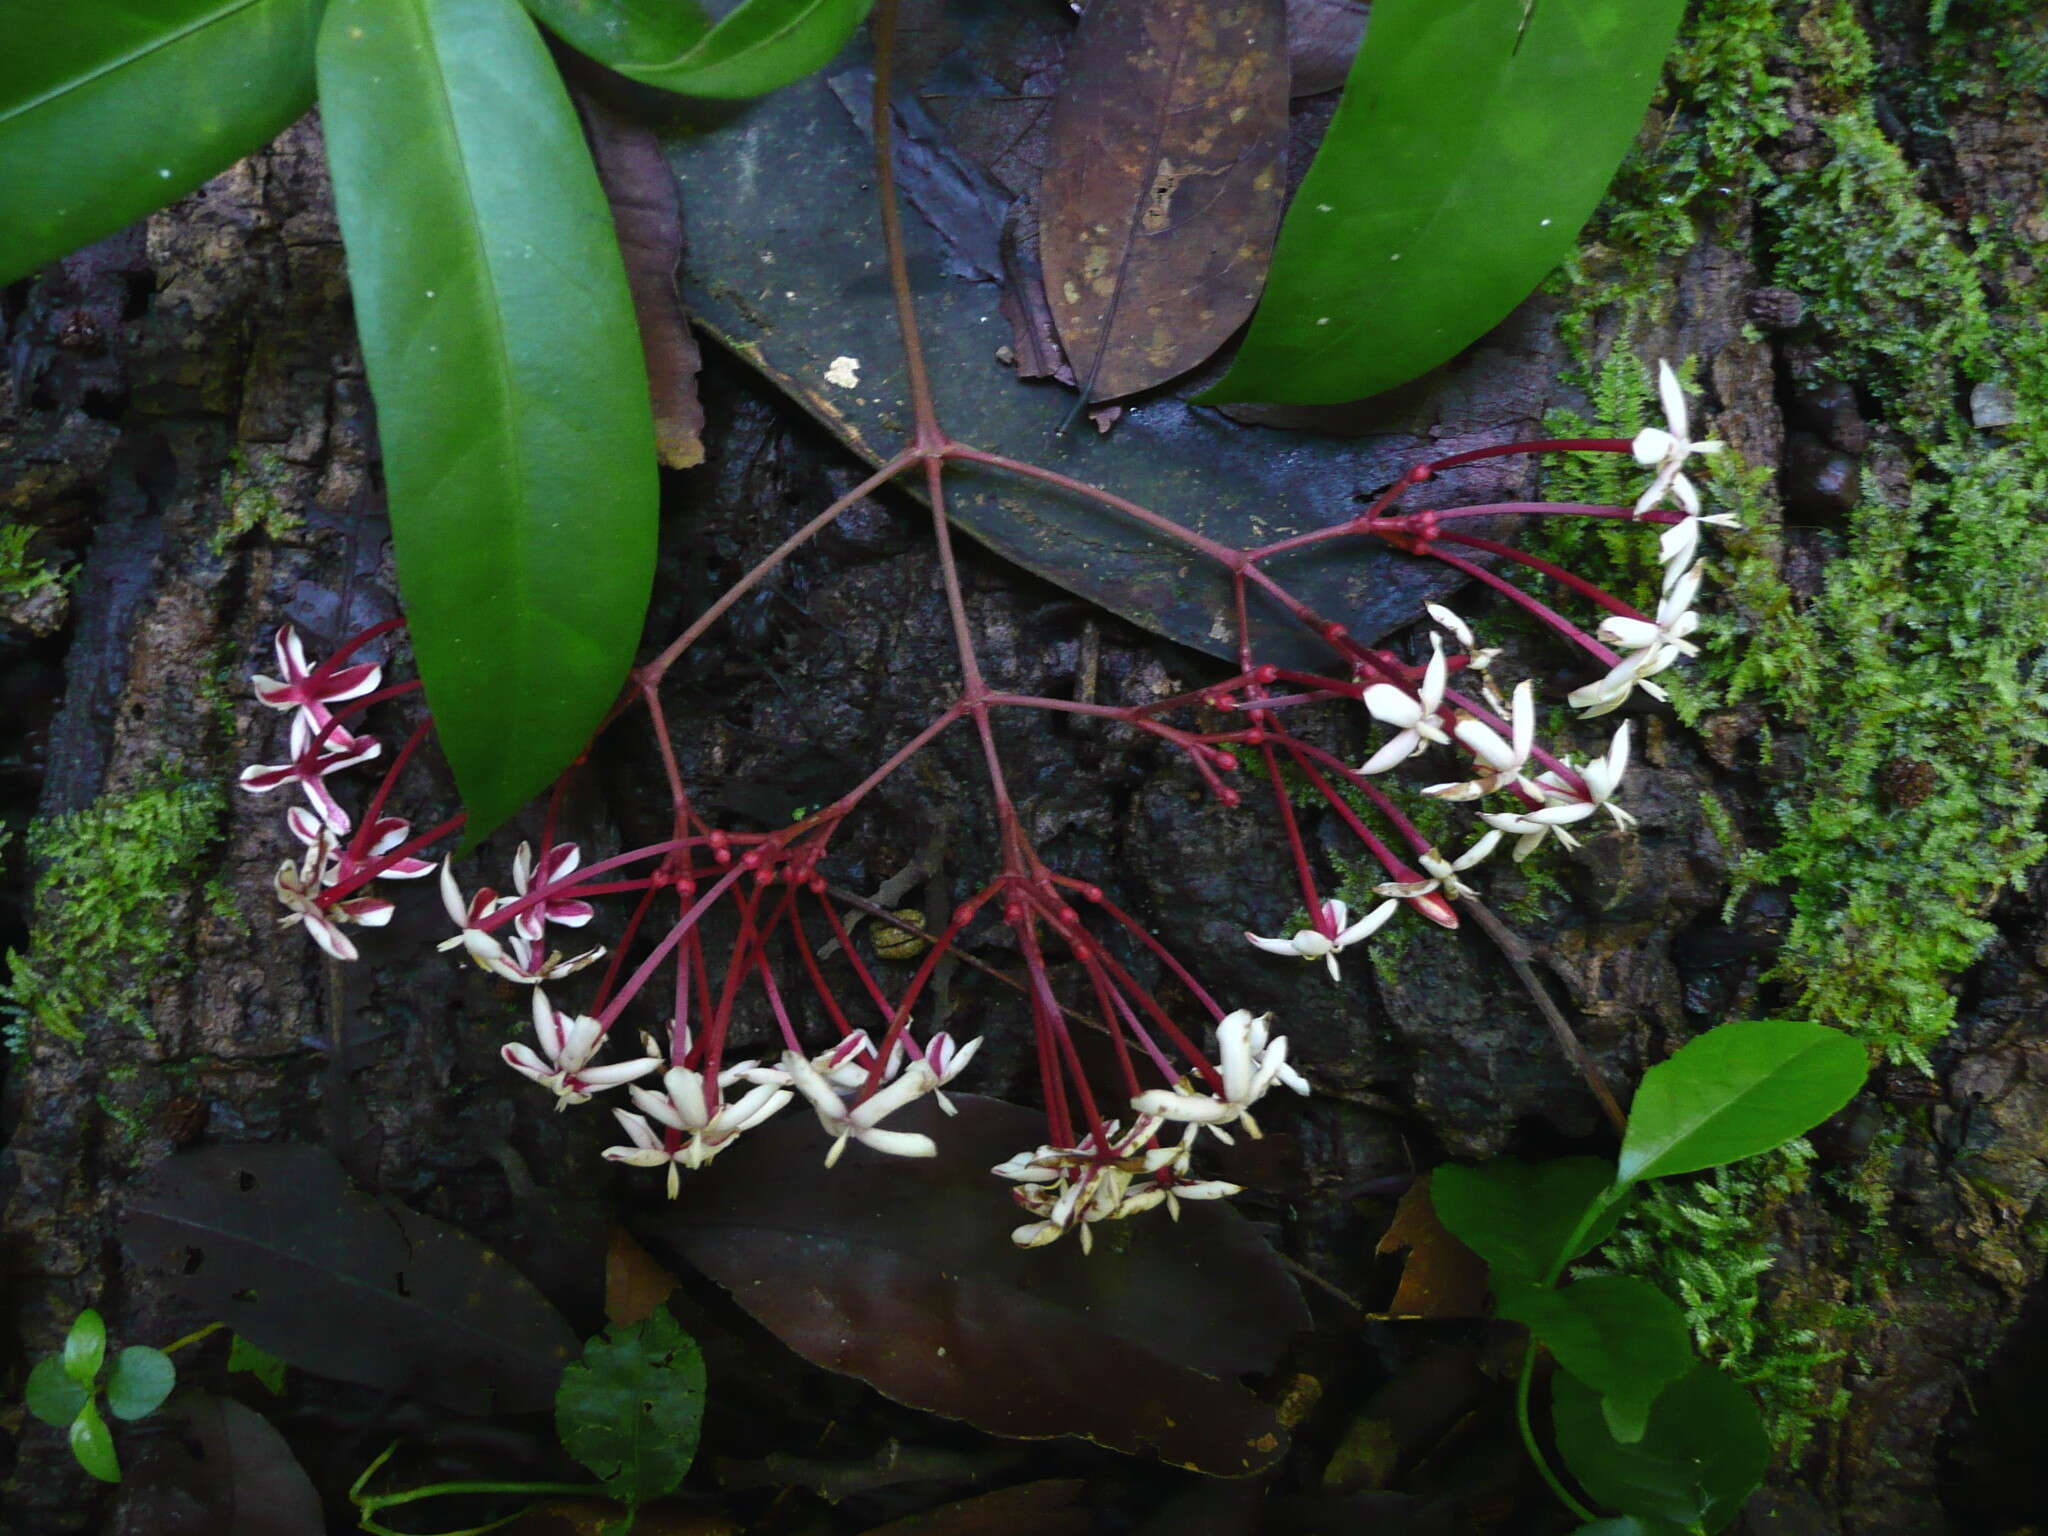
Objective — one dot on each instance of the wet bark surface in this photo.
(149, 378)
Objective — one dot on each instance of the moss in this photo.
(1923, 645)
(22, 575)
(106, 902)
(1705, 1242)
(253, 496)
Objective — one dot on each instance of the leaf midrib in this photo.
(513, 415)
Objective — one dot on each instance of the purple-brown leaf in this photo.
(901, 1272)
(1322, 40)
(1163, 191)
(647, 213)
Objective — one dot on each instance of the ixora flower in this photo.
(863, 1121)
(1443, 873)
(304, 686)
(385, 835)
(299, 889)
(310, 767)
(1501, 758)
(1250, 1061)
(562, 1065)
(1566, 803)
(516, 959)
(1314, 944)
(697, 1129)
(1414, 716)
(558, 863)
(1668, 447)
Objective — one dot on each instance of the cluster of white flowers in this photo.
(1550, 801)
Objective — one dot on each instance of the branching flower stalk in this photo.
(844, 1046)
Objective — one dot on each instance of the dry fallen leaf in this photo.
(635, 1281)
(1441, 1277)
(1163, 188)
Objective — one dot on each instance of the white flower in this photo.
(1443, 873)
(1675, 621)
(1476, 660)
(562, 1064)
(1313, 944)
(943, 1061)
(1668, 447)
(1249, 1063)
(558, 863)
(862, 1122)
(299, 890)
(518, 958)
(1501, 761)
(1567, 804)
(1413, 715)
(684, 1106)
(1070, 1187)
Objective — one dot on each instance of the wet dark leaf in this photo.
(229, 1471)
(902, 1273)
(275, 1242)
(801, 168)
(1163, 188)
(1322, 40)
(1054, 1506)
(649, 221)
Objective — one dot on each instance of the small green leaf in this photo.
(629, 1409)
(52, 1395)
(110, 111)
(1702, 1455)
(1620, 1336)
(505, 361)
(93, 1445)
(260, 1363)
(1518, 1216)
(758, 47)
(1736, 1091)
(85, 1348)
(1473, 139)
(140, 1381)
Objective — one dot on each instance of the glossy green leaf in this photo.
(1620, 1336)
(760, 46)
(1736, 1091)
(505, 361)
(139, 1382)
(52, 1395)
(1474, 139)
(630, 1408)
(85, 1348)
(1702, 1455)
(1630, 1525)
(108, 112)
(93, 1444)
(1519, 1216)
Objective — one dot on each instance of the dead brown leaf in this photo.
(635, 1281)
(647, 213)
(1051, 1507)
(1441, 1277)
(1163, 189)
